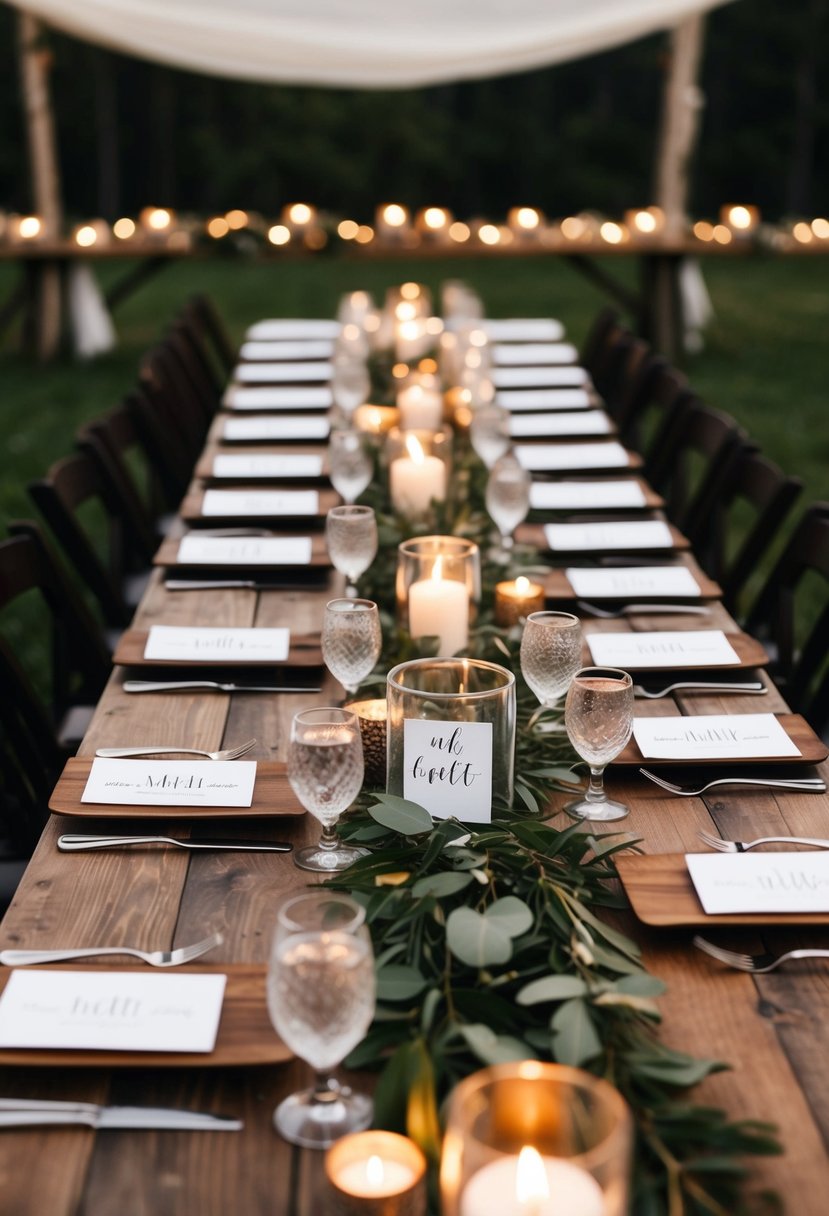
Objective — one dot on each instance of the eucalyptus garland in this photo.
(495, 942)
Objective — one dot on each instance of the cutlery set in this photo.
(208, 686)
(30, 1112)
(155, 958)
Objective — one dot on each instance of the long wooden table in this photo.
(771, 1029)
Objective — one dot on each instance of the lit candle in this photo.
(532, 1185)
(416, 480)
(421, 409)
(376, 1172)
(375, 419)
(439, 607)
(372, 716)
(516, 599)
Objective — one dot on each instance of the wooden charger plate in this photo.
(272, 796)
(245, 1036)
(191, 510)
(304, 651)
(662, 894)
(204, 466)
(167, 555)
(812, 750)
(750, 654)
(534, 534)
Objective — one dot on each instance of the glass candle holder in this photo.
(376, 1173)
(437, 588)
(452, 692)
(420, 466)
(532, 1137)
(372, 717)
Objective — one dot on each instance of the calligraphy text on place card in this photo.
(448, 768)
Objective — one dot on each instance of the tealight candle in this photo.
(375, 419)
(372, 716)
(416, 480)
(377, 1173)
(515, 599)
(421, 408)
(439, 607)
(532, 1185)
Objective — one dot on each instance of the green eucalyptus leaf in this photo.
(552, 988)
(446, 882)
(477, 940)
(511, 915)
(640, 985)
(491, 1048)
(401, 815)
(398, 982)
(575, 1040)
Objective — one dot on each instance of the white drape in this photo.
(361, 43)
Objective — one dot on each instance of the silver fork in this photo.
(228, 753)
(804, 785)
(653, 694)
(756, 964)
(742, 846)
(613, 614)
(156, 958)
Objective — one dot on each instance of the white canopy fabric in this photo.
(361, 43)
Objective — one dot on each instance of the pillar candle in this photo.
(415, 480)
(549, 1187)
(421, 409)
(439, 607)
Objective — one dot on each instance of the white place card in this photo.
(760, 882)
(195, 550)
(216, 643)
(269, 398)
(273, 329)
(281, 373)
(290, 427)
(557, 457)
(585, 495)
(634, 583)
(176, 783)
(277, 351)
(448, 768)
(671, 648)
(609, 535)
(516, 400)
(539, 377)
(582, 422)
(713, 737)
(239, 466)
(522, 329)
(100, 1010)
(256, 503)
(533, 354)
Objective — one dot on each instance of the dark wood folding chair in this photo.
(653, 408)
(201, 313)
(168, 443)
(791, 617)
(693, 460)
(602, 334)
(115, 441)
(188, 409)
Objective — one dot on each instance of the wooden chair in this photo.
(165, 380)
(115, 441)
(791, 618)
(653, 409)
(603, 333)
(200, 312)
(693, 459)
(169, 445)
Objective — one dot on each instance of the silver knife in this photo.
(29, 1112)
(217, 584)
(73, 843)
(206, 686)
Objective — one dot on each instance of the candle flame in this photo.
(375, 1174)
(415, 450)
(530, 1177)
(522, 584)
(437, 569)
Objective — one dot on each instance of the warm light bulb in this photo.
(459, 232)
(347, 229)
(573, 227)
(30, 226)
(410, 291)
(218, 227)
(395, 215)
(739, 217)
(86, 236)
(820, 227)
(612, 233)
(159, 219)
(530, 1177)
(704, 231)
(435, 218)
(279, 234)
(527, 218)
(644, 221)
(123, 229)
(802, 233)
(489, 234)
(405, 311)
(300, 213)
(236, 218)
(365, 233)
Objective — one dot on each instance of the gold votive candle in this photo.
(372, 717)
(515, 599)
(376, 419)
(377, 1173)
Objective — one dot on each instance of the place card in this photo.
(279, 350)
(269, 398)
(216, 643)
(555, 457)
(175, 783)
(195, 550)
(292, 327)
(585, 495)
(255, 503)
(622, 534)
(100, 1010)
(585, 422)
(522, 329)
(668, 648)
(760, 882)
(519, 399)
(713, 737)
(254, 465)
(293, 426)
(633, 582)
(539, 377)
(281, 373)
(533, 354)
(448, 768)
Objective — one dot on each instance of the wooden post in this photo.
(35, 64)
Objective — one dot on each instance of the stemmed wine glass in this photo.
(598, 714)
(507, 497)
(350, 382)
(351, 536)
(489, 432)
(350, 467)
(321, 1002)
(351, 640)
(325, 769)
(550, 655)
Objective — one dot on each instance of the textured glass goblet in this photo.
(550, 654)
(507, 497)
(350, 467)
(351, 536)
(598, 714)
(351, 640)
(489, 432)
(350, 383)
(325, 769)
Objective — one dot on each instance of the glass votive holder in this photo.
(515, 599)
(376, 1173)
(452, 693)
(533, 1137)
(438, 588)
(420, 405)
(372, 716)
(375, 420)
(420, 466)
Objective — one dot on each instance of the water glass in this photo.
(321, 994)
(350, 383)
(598, 715)
(350, 466)
(351, 537)
(325, 769)
(351, 640)
(489, 433)
(507, 497)
(550, 654)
